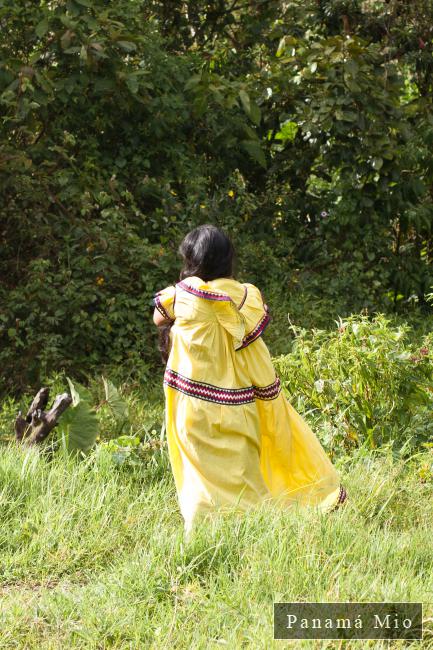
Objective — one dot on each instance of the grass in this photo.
(93, 556)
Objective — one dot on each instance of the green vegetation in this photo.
(365, 382)
(93, 553)
(93, 556)
(305, 129)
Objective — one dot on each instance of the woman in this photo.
(233, 438)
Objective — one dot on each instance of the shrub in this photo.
(364, 383)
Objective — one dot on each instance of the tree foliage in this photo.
(303, 127)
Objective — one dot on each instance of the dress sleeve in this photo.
(164, 302)
(256, 313)
(232, 320)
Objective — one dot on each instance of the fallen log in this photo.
(38, 424)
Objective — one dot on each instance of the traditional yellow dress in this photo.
(233, 438)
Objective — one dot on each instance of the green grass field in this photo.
(93, 554)
(94, 557)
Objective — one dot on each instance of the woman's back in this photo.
(215, 323)
(233, 438)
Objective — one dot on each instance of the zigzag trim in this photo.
(257, 331)
(212, 295)
(160, 308)
(207, 391)
(342, 496)
(268, 392)
(244, 298)
(228, 396)
(202, 293)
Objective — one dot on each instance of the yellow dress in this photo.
(233, 438)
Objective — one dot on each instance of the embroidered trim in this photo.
(342, 496)
(243, 299)
(211, 295)
(160, 308)
(268, 392)
(257, 331)
(202, 293)
(207, 391)
(211, 393)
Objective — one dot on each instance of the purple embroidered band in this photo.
(201, 293)
(207, 391)
(268, 392)
(211, 393)
(257, 331)
(243, 299)
(342, 495)
(160, 308)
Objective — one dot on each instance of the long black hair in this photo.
(207, 253)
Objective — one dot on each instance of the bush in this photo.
(124, 124)
(364, 383)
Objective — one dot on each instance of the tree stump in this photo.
(38, 424)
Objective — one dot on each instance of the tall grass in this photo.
(93, 554)
(92, 557)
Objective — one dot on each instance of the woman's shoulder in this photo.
(206, 290)
(245, 295)
(253, 295)
(252, 287)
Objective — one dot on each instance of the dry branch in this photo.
(38, 424)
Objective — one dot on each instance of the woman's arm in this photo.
(159, 319)
(163, 302)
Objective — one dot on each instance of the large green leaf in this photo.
(127, 46)
(79, 427)
(42, 28)
(79, 393)
(255, 151)
(117, 404)
(287, 131)
(79, 424)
